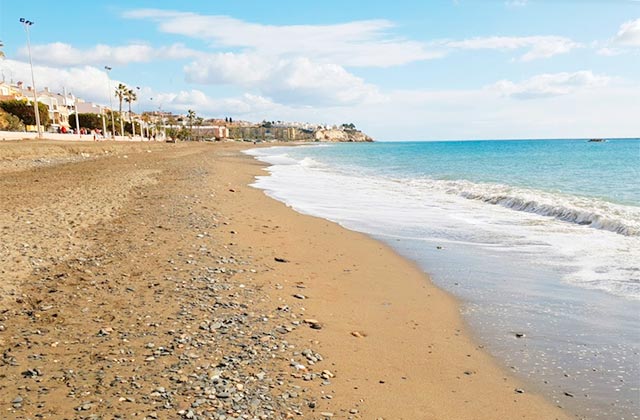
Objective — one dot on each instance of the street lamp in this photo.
(133, 124)
(27, 23)
(113, 122)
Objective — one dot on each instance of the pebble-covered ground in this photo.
(128, 299)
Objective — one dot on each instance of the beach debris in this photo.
(313, 323)
(31, 373)
(281, 260)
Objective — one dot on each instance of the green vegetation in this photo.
(89, 121)
(24, 111)
(191, 116)
(9, 122)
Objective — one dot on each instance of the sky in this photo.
(403, 70)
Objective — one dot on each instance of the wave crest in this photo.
(564, 212)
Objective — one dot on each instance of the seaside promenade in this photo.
(149, 280)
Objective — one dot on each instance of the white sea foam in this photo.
(591, 212)
(550, 228)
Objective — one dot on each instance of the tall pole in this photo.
(27, 23)
(104, 127)
(133, 123)
(113, 121)
(75, 106)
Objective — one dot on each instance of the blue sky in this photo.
(402, 70)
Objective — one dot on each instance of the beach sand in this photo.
(147, 280)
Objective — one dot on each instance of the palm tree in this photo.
(121, 92)
(130, 97)
(191, 116)
(199, 122)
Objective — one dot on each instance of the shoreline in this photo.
(394, 345)
(484, 374)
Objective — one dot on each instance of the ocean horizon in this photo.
(539, 239)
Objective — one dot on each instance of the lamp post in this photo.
(133, 124)
(113, 122)
(75, 107)
(27, 23)
(154, 120)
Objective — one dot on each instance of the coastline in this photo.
(409, 356)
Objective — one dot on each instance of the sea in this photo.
(538, 239)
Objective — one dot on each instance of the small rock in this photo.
(281, 260)
(299, 296)
(519, 391)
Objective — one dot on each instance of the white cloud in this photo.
(516, 3)
(629, 34)
(609, 51)
(61, 54)
(87, 82)
(538, 46)
(364, 43)
(205, 105)
(297, 81)
(548, 85)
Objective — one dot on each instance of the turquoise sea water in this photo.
(610, 170)
(540, 237)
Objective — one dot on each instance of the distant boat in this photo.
(597, 140)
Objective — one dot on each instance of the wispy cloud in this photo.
(537, 46)
(366, 43)
(629, 34)
(627, 39)
(61, 54)
(516, 3)
(548, 85)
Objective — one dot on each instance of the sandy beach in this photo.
(149, 280)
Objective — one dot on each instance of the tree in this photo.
(24, 110)
(121, 92)
(130, 97)
(90, 121)
(9, 122)
(350, 126)
(199, 122)
(191, 116)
